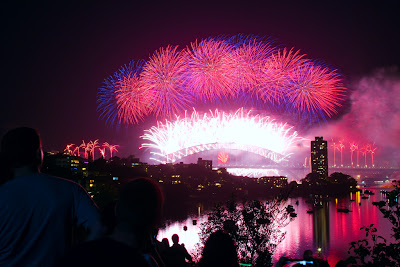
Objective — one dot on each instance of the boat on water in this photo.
(345, 210)
(369, 192)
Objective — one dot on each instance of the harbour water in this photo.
(325, 228)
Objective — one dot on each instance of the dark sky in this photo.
(57, 55)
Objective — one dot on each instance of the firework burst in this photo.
(253, 57)
(163, 80)
(109, 101)
(314, 90)
(241, 69)
(204, 132)
(212, 69)
(132, 99)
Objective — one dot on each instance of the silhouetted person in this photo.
(219, 250)
(177, 253)
(308, 255)
(162, 248)
(38, 213)
(319, 262)
(165, 242)
(138, 211)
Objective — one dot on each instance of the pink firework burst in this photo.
(163, 80)
(132, 99)
(314, 89)
(275, 71)
(253, 56)
(213, 69)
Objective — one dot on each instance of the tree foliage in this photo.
(374, 250)
(336, 184)
(256, 227)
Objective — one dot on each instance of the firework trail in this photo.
(91, 146)
(68, 149)
(89, 149)
(83, 145)
(371, 149)
(335, 147)
(111, 148)
(363, 151)
(353, 147)
(341, 146)
(238, 69)
(102, 152)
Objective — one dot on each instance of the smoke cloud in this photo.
(374, 117)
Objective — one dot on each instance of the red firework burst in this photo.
(132, 100)
(314, 89)
(275, 71)
(253, 56)
(163, 80)
(213, 69)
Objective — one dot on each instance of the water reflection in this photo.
(321, 226)
(325, 228)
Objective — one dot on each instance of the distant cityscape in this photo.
(201, 177)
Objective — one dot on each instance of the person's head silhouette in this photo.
(21, 152)
(175, 239)
(219, 250)
(138, 209)
(165, 242)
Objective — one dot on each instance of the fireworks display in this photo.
(217, 130)
(367, 151)
(217, 69)
(89, 149)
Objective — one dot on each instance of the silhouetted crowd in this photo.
(50, 221)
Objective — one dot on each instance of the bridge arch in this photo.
(273, 156)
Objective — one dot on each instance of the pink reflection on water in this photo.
(325, 228)
(190, 237)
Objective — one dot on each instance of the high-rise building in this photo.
(319, 156)
(205, 163)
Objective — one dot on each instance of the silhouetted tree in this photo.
(255, 226)
(342, 179)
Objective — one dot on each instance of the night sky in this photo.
(56, 55)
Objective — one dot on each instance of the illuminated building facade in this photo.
(319, 156)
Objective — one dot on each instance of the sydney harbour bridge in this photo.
(253, 161)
